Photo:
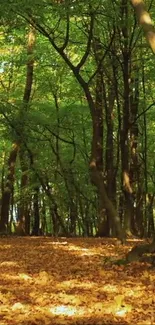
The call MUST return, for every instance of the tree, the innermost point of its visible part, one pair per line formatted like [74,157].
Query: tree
[145,21]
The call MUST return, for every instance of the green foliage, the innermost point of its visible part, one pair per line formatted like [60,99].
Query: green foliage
[56,125]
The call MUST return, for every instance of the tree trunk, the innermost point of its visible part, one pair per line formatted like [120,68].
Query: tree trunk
[151,226]
[97,179]
[135,168]
[103,218]
[145,21]
[55,222]
[110,169]
[23,224]
[36,212]
[124,134]
[43,215]
[8,188]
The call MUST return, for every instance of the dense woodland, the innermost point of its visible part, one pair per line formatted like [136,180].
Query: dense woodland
[77,119]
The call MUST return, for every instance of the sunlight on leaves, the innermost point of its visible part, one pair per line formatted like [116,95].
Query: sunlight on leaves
[24,277]
[110,288]
[64,310]
[5,246]
[121,312]
[8,263]
[18,306]
[58,243]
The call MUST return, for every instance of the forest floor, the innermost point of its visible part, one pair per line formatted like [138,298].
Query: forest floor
[46,281]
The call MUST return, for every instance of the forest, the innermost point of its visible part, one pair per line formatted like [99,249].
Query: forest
[77,128]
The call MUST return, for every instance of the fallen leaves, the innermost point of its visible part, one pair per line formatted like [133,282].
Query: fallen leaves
[64,281]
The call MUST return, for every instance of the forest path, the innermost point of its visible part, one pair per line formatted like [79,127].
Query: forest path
[51,281]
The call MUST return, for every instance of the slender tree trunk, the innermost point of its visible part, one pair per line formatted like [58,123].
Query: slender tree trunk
[73,217]
[145,155]
[43,216]
[103,218]
[110,169]
[135,171]
[55,222]
[23,224]
[124,134]
[151,224]
[36,212]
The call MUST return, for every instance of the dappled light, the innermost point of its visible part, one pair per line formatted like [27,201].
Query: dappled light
[64,310]
[45,281]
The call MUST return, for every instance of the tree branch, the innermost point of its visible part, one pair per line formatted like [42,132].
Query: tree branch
[102,59]
[67,34]
[87,51]
[142,113]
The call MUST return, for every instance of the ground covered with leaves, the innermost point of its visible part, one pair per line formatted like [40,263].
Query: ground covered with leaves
[46,281]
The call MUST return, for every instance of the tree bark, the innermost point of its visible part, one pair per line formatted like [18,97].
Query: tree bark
[36,212]
[8,188]
[125,121]
[145,21]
